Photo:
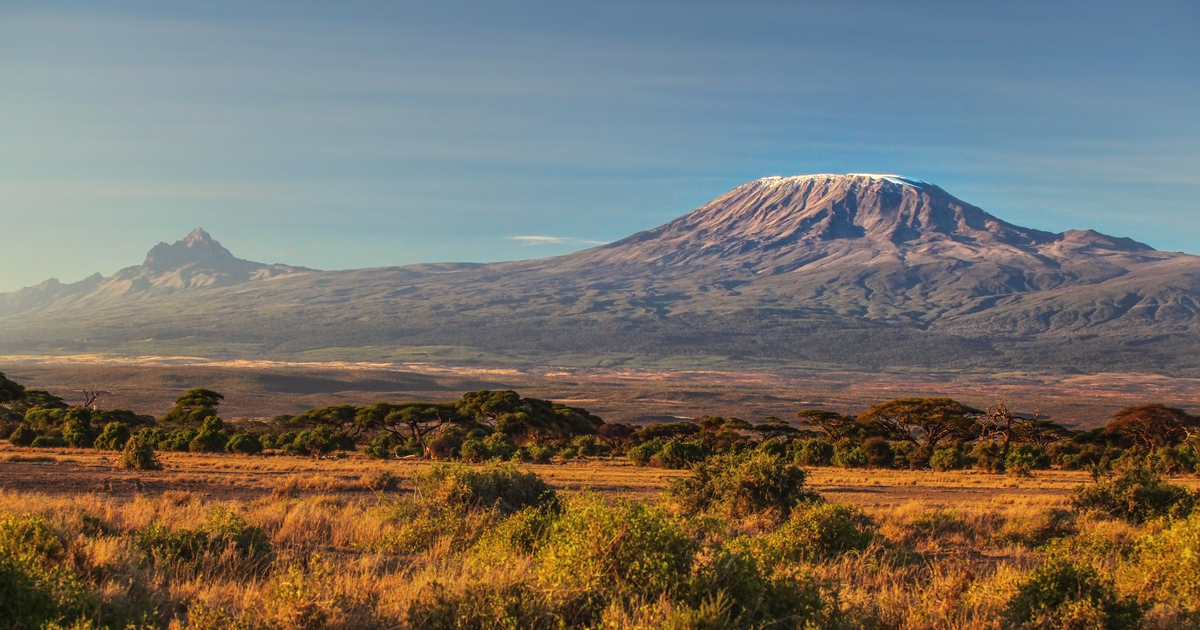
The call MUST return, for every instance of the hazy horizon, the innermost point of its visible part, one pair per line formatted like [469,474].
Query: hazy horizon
[337,137]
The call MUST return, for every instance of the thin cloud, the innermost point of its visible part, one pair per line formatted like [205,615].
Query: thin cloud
[534,239]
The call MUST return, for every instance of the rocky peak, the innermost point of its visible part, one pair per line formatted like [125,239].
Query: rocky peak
[197,246]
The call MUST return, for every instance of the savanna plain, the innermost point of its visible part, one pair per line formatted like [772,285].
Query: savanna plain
[498,510]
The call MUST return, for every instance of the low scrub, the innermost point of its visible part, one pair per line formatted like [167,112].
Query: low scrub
[737,485]
[1137,494]
[1063,594]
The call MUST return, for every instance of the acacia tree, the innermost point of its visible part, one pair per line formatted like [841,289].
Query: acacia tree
[924,421]
[10,391]
[412,420]
[1153,426]
[775,428]
[341,420]
[193,407]
[834,425]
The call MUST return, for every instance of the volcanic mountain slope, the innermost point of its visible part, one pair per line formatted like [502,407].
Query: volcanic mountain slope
[831,270]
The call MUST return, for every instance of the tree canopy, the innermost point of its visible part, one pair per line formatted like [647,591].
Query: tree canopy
[193,407]
[1153,426]
[10,390]
[921,420]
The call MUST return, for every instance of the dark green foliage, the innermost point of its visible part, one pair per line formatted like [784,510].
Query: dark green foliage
[1063,594]
[46,441]
[500,446]
[495,486]
[642,453]
[851,457]
[113,437]
[474,451]
[221,530]
[674,454]
[732,591]
[1023,458]
[243,444]
[815,531]
[318,440]
[22,436]
[138,454]
[380,447]
[178,440]
[879,452]
[129,418]
[1137,494]
[193,407]
[34,586]
[923,420]
[78,431]
[814,453]
[944,459]
[989,456]
[739,485]
[211,438]
[10,391]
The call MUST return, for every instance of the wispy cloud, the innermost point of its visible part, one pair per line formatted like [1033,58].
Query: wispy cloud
[534,239]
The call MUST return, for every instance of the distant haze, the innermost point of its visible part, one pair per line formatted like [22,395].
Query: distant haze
[338,135]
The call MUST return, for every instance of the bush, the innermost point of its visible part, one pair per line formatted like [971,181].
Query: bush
[22,436]
[496,486]
[1137,495]
[853,457]
[1063,594]
[47,441]
[500,445]
[33,591]
[243,444]
[138,455]
[475,451]
[1024,458]
[597,552]
[739,485]
[988,456]
[1170,564]
[879,452]
[677,454]
[814,453]
[642,453]
[1037,530]
[536,453]
[113,437]
[222,530]
[816,530]
[78,433]
[211,438]
[944,459]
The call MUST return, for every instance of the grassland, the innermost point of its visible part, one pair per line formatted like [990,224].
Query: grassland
[357,543]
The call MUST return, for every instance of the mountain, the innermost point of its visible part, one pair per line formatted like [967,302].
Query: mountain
[197,261]
[860,271]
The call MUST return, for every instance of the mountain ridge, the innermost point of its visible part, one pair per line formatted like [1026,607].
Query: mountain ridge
[861,270]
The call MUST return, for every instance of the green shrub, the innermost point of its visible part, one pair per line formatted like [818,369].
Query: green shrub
[738,485]
[642,453]
[48,441]
[22,436]
[500,486]
[222,530]
[211,438]
[1137,495]
[730,590]
[678,454]
[988,456]
[944,459]
[853,457]
[597,552]
[815,530]
[536,453]
[113,437]
[1169,564]
[77,431]
[1023,458]
[814,453]
[138,455]
[475,451]
[178,440]
[1063,594]
[34,589]
[879,452]
[481,606]
[243,444]
[500,445]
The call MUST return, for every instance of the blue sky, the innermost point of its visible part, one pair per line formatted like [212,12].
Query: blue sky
[355,134]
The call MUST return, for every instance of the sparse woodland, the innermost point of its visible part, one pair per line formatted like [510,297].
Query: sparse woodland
[739,540]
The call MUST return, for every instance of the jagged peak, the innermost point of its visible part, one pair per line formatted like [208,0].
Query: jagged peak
[781,180]
[197,246]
